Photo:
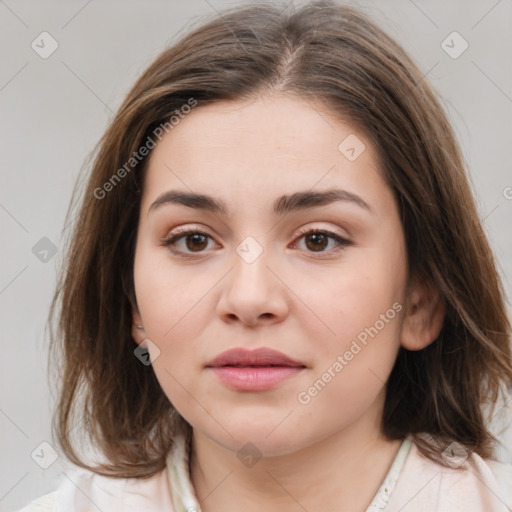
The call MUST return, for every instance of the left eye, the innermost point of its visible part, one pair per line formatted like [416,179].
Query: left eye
[316,240]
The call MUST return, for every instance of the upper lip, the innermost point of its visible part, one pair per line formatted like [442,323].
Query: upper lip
[257,357]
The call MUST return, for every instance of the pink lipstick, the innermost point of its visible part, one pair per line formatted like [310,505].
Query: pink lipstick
[254,370]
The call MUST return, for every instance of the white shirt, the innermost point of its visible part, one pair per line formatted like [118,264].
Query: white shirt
[413,484]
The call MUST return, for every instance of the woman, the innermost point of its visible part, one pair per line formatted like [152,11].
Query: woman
[278,292]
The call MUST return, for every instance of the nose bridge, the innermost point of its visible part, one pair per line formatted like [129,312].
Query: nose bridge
[249,250]
[250,272]
[252,290]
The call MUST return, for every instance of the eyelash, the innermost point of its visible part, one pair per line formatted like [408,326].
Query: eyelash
[183,233]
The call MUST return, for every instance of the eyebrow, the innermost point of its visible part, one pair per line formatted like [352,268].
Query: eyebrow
[282,205]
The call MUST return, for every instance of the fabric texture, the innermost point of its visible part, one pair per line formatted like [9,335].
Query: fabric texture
[413,484]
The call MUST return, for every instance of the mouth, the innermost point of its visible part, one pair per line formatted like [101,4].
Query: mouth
[241,357]
[254,370]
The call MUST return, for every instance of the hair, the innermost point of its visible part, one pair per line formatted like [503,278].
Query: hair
[338,58]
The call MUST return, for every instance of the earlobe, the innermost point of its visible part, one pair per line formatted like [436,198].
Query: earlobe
[138,333]
[424,317]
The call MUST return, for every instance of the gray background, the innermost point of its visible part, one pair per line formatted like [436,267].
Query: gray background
[54,110]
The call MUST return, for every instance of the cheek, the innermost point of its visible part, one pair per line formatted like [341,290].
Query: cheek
[175,309]
[361,304]
[171,302]
[352,367]
[357,300]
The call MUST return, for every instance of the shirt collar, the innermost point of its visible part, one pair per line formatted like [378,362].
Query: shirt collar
[184,498]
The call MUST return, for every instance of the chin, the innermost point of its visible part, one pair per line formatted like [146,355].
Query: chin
[268,440]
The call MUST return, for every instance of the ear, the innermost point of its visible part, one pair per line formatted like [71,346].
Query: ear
[423,318]
[139,335]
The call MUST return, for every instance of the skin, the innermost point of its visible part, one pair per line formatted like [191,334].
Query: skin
[304,302]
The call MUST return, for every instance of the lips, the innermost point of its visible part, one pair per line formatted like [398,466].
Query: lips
[240,357]
[254,370]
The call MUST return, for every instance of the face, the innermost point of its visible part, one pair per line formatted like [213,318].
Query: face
[256,274]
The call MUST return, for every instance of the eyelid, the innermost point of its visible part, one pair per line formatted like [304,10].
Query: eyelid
[181,232]
[301,231]
[342,240]
[327,229]
[334,234]
[185,229]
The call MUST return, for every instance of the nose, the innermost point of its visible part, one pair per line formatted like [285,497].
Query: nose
[254,293]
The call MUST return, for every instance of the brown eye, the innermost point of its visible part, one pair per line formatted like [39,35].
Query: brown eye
[317,240]
[195,241]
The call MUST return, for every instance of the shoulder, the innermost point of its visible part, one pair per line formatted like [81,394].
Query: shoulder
[503,474]
[46,503]
[80,489]
[468,483]
[491,477]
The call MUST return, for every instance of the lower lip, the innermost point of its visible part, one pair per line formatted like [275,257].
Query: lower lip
[255,378]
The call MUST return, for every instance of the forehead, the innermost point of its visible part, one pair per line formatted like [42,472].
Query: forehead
[267,147]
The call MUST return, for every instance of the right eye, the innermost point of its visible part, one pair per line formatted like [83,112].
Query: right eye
[194,241]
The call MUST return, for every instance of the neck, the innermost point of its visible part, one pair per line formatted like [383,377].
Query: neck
[340,472]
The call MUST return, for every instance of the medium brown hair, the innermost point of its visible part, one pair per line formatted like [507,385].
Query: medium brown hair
[336,57]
